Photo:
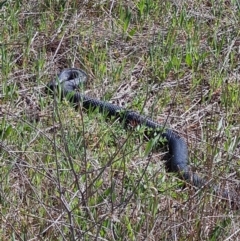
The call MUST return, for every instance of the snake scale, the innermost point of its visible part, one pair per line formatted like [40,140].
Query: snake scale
[69,81]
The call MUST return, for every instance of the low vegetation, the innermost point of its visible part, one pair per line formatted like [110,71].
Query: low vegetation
[70,174]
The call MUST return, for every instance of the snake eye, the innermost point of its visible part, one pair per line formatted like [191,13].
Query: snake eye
[73,74]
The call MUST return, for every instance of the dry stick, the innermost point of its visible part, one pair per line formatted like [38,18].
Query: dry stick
[227,56]
[58,173]
[75,176]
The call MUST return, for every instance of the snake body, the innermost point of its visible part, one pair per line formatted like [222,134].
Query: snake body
[70,79]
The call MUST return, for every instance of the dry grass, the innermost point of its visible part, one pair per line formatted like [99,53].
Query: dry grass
[72,175]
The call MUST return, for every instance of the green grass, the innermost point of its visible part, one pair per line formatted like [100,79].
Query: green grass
[75,175]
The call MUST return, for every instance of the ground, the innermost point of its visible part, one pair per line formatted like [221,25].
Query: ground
[70,174]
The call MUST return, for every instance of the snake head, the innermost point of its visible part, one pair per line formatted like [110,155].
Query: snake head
[68,80]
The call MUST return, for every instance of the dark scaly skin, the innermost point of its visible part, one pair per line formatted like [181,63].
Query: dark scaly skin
[70,79]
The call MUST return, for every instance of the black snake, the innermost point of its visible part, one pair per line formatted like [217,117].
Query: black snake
[70,79]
